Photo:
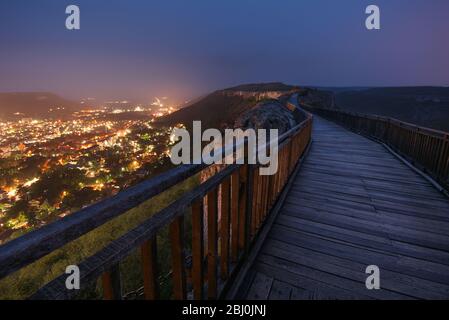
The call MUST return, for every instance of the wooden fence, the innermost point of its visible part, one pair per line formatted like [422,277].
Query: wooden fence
[221,234]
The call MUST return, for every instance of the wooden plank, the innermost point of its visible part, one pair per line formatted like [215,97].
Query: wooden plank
[426,192]
[224,228]
[234,216]
[372,173]
[197,249]
[280,291]
[389,190]
[149,269]
[112,287]
[260,287]
[394,281]
[309,284]
[178,259]
[393,262]
[263,214]
[379,241]
[212,244]
[363,192]
[327,200]
[431,240]
[315,200]
[256,203]
[249,205]
[371,181]
[431,224]
[347,172]
[303,294]
[338,280]
[243,194]
[245,286]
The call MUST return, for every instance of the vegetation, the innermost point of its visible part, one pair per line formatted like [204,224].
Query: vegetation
[424,106]
[27,280]
[214,111]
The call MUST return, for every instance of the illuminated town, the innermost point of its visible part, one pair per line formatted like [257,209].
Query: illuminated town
[51,167]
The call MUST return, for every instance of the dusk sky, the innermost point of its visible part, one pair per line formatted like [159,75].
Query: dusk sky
[140,49]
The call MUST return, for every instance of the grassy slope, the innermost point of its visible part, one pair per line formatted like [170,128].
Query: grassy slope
[214,110]
[23,283]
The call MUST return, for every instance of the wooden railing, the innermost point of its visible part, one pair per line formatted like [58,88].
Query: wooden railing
[225,214]
[425,148]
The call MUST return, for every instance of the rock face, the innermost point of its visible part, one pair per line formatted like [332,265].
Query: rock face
[260,91]
[255,94]
[317,98]
[267,115]
[270,114]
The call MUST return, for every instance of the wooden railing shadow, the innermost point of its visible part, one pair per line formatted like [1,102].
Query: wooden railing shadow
[222,232]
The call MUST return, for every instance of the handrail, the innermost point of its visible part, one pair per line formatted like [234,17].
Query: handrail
[28,248]
[426,148]
[233,184]
[435,132]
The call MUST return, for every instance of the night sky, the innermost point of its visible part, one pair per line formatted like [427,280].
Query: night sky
[139,49]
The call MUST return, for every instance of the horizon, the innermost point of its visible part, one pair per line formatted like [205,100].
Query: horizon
[143,50]
[132,100]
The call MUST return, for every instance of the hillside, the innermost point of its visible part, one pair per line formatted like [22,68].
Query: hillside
[425,106]
[215,110]
[34,104]
[221,108]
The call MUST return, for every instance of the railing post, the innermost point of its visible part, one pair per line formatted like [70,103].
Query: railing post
[197,249]
[224,228]
[235,216]
[290,164]
[212,199]
[243,176]
[249,204]
[149,268]
[178,259]
[256,199]
[112,287]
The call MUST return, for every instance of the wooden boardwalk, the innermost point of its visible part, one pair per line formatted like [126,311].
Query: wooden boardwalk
[354,204]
